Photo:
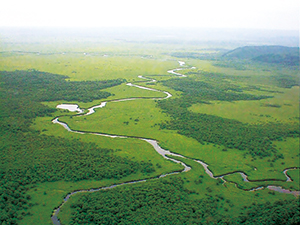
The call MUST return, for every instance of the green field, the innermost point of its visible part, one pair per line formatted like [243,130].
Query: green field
[257,111]
[147,116]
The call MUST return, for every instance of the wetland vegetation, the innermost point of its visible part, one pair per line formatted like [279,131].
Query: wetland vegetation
[236,115]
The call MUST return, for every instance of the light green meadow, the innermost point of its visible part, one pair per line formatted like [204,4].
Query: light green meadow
[85,67]
[256,111]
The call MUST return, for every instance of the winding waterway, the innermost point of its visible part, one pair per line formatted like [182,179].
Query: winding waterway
[158,149]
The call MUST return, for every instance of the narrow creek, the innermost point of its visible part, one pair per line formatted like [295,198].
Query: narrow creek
[158,149]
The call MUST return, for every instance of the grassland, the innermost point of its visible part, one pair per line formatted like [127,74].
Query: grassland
[142,123]
[89,67]
[141,118]
[229,191]
[283,108]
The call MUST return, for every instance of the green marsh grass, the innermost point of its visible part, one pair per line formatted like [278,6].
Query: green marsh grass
[132,148]
[201,185]
[81,67]
[141,118]
[257,111]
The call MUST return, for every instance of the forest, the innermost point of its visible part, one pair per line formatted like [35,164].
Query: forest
[28,158]
[41,86]
[255,140]
[168,202]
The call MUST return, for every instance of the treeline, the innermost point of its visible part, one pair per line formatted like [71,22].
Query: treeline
[196,55]
[28,158]
[286,60]
[166,201]
[41,86]
[160,202]
[286,81]
[236,64]
[280,212]
[207,91]
[253,139]
[219,80]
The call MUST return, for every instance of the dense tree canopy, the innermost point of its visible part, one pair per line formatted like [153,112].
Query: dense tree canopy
[253,139]
[157,202]
[280,212]
[205,91]
[41,86]
[167,202]
[28,158]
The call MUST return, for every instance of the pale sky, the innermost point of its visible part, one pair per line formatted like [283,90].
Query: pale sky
[261,14]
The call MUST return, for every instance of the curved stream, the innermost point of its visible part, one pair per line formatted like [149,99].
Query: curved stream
[158,149]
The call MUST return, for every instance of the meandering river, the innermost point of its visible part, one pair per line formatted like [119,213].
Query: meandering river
[158,149]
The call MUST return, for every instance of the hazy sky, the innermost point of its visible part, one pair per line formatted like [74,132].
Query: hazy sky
[262,14]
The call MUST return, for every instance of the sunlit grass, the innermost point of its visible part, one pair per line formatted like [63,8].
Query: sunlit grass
[259,111]
[85,67]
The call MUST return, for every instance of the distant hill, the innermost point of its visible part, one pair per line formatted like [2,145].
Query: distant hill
[268,54]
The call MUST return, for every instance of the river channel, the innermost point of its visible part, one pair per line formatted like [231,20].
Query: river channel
[155,145]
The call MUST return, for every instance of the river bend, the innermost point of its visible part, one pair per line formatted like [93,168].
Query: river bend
[155,145]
